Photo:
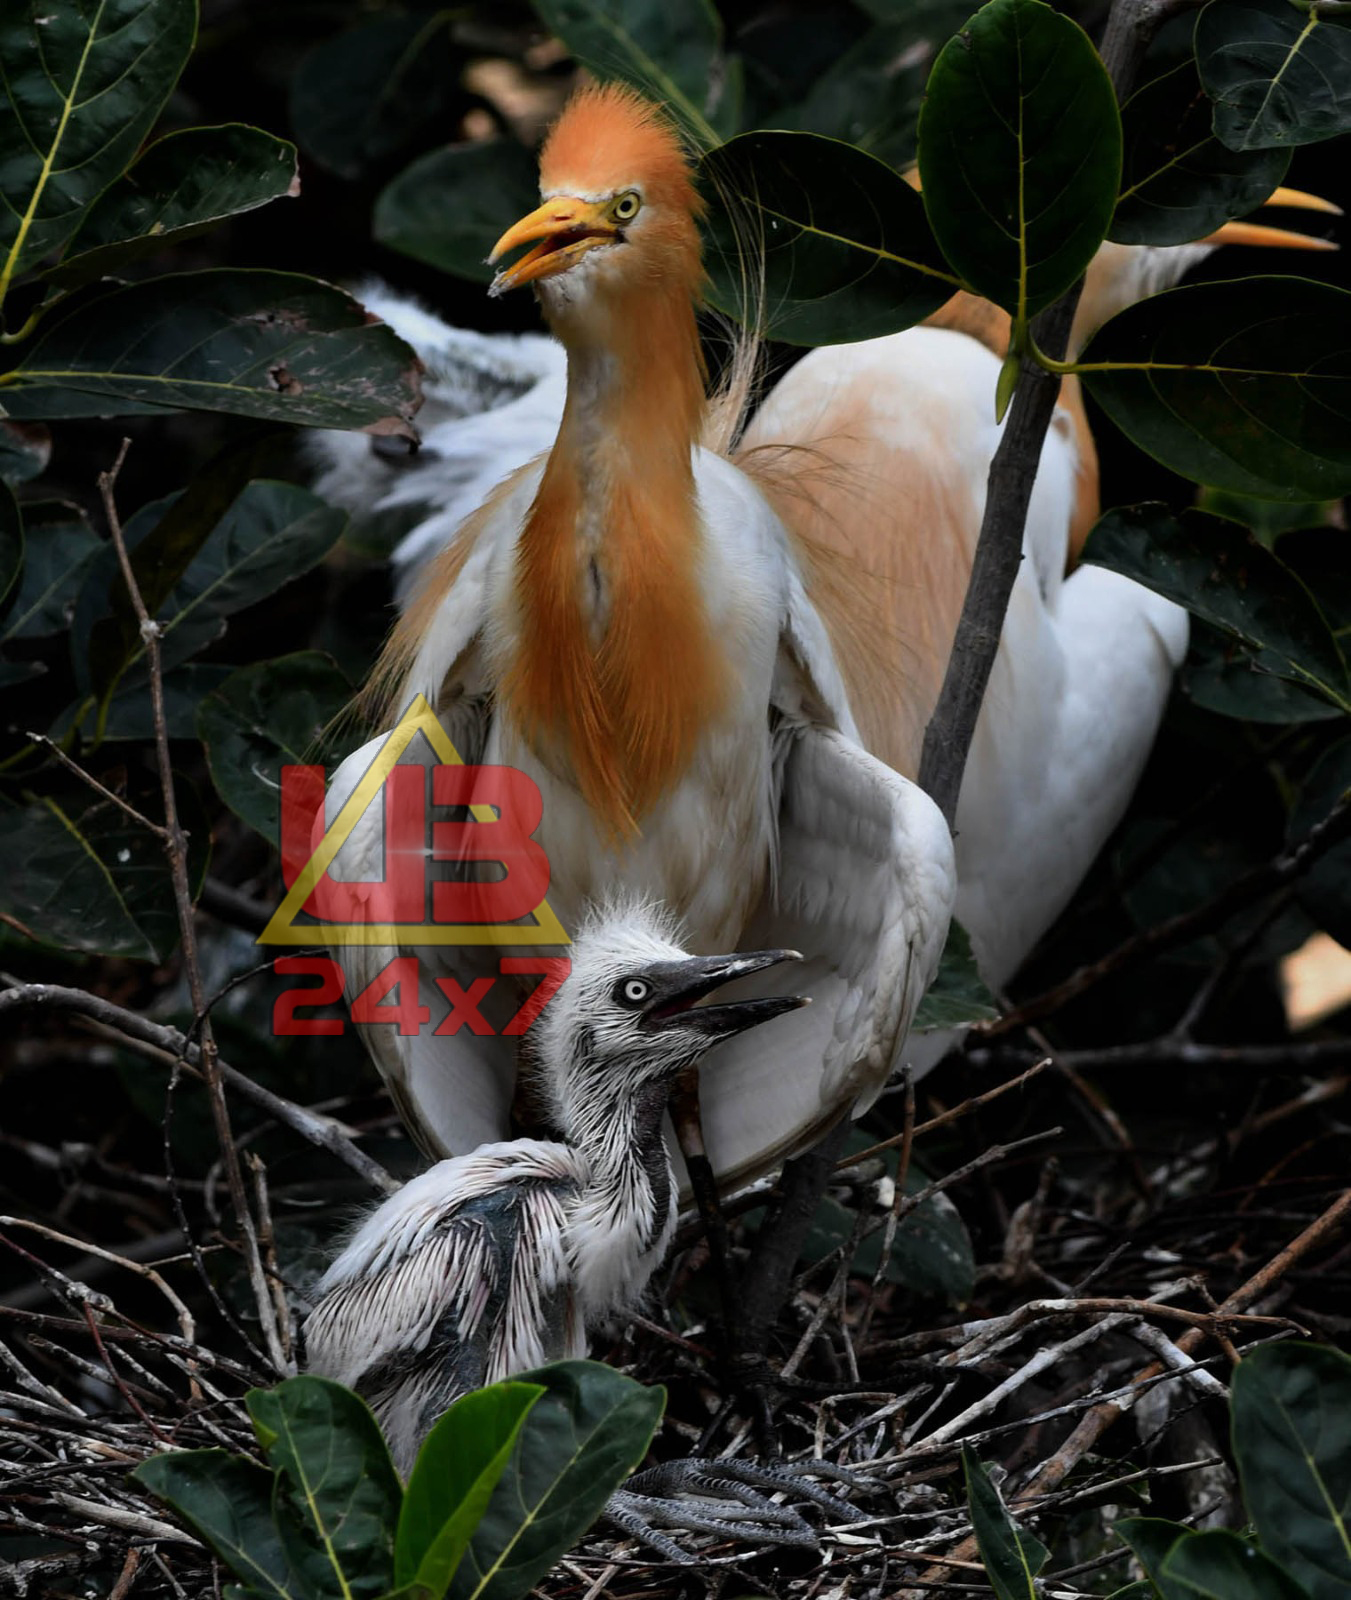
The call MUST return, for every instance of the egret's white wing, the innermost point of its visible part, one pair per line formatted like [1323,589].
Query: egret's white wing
[864,890]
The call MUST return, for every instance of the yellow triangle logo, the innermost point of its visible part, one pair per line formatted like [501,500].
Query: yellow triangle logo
[283,927]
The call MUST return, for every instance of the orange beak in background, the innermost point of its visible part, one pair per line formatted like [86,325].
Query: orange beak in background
[1257,233]
[565,228]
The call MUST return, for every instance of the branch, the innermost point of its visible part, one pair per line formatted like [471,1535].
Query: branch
[325,1132]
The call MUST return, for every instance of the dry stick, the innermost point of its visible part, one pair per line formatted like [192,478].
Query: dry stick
[1095,1423]
[943,1117]
[176,850]
[162,1040]
[893,1211]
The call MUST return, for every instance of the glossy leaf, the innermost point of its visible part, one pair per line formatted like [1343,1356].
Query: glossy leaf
[180,186]
[1012,1557]
[1221,675]
[362,96]
[1178,181]
[59,546]
[847,252]
[92,878]
[1019,208]
[958,994]
[452,206]
[1221,1566]
[582,1438]
[1221,573]
[1292,1436]
[84,85]
[163,540]
[870,96]
[227,1502]
[262,718]
[1151,1539]
[1279,74]
[25,450]
[272,345]
[11,548]
[338,1484]
[668,52]
[456,1471]
[1246,385]
[271,534]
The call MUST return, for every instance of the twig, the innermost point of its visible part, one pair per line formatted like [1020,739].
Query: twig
[325,1132]
[88,778]
[944,1117]
[1184,927]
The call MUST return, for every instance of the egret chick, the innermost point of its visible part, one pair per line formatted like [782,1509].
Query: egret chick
[495,1262]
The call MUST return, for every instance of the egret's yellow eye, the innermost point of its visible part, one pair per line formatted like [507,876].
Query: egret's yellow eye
[627,206]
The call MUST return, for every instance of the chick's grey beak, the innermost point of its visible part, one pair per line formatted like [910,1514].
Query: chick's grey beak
[678,985]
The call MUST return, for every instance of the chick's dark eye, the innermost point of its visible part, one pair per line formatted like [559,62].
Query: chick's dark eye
[626,207]
[633,991]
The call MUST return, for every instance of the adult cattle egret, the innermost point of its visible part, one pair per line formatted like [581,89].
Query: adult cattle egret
[496,1262]
[625,622]
[701,686]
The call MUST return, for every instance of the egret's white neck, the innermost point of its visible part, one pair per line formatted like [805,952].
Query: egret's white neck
[621,1224]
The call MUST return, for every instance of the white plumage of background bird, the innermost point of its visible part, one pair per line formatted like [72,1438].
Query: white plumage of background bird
[493,1263]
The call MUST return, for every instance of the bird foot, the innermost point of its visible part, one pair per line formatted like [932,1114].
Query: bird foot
[727,1499]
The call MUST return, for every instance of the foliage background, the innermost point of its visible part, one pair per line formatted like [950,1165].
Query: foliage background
[1208,1166]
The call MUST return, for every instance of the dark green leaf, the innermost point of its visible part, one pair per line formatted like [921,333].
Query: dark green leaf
[1143,1590]
[582,1438]
[341,1484]
[364,95]
[847,252]
[179,187]
[92,880]
[871,95]
[130,712]
[25,450]
[264,717]
[1011,1557]
[272,345]
[669,53]
[1321,559]
[1221,573]
[163,540]
[958,994]
[59,544]
[1018,208]
[271,534]
[1151,1538]
[452,206]
[84,86]
[454,1476]
[1178,182]
[1324,888]
[1278,73]
[1268,519]
[1292,1437]
[1246,385]
[1221,675]
[1221,1566]
[227,1502]
[11,548]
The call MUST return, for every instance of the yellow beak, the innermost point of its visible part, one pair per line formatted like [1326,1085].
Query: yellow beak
[565,228]
[1257,233]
